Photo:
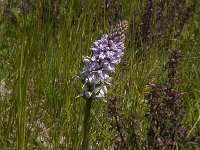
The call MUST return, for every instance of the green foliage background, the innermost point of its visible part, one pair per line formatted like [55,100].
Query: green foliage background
[41,50]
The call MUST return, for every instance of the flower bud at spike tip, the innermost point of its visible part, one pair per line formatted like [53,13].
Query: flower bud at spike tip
[106,54]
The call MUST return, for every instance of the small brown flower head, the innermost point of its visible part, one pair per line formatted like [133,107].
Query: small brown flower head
[118,33]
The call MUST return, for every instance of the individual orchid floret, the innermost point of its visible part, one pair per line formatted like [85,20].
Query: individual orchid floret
[106,54]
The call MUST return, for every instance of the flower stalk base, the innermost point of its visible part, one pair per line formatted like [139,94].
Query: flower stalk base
[87,123]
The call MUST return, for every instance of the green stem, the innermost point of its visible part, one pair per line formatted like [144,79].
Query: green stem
[88,106]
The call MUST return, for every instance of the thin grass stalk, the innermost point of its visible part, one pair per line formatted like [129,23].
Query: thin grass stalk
[26,59]
[20,110]
[87,124]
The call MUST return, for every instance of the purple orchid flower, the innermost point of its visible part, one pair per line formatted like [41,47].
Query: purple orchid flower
[106,54]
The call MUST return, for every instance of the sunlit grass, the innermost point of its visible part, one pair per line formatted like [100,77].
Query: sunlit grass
[40,59]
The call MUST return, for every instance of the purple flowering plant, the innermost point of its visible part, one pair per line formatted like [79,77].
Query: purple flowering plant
[106,54]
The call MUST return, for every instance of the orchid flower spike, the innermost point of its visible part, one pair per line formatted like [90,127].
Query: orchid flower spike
[106,54]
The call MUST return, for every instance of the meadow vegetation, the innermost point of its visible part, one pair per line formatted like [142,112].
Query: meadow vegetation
[153,102]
